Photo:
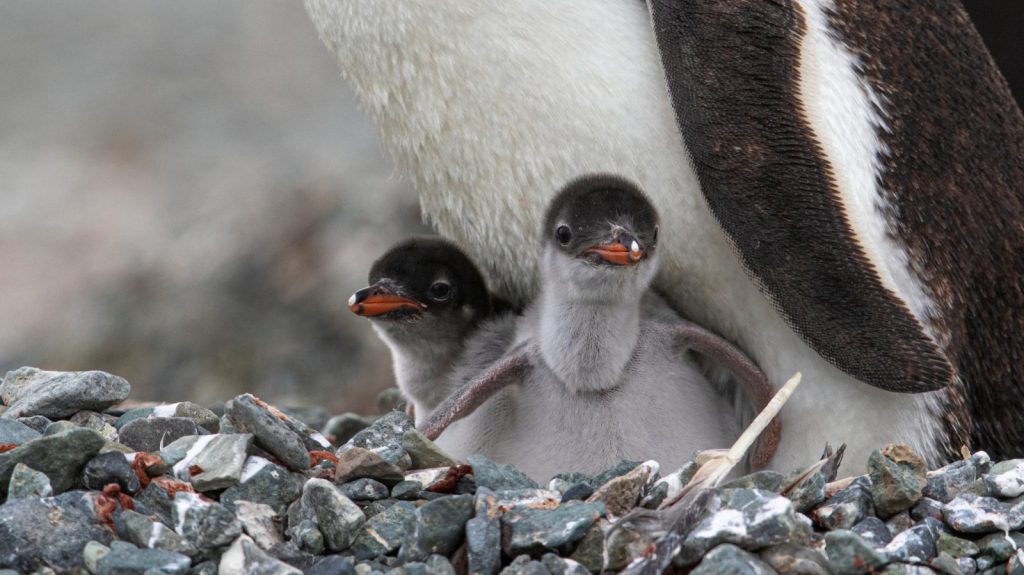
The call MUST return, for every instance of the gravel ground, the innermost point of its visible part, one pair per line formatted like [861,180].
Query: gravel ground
[92,483]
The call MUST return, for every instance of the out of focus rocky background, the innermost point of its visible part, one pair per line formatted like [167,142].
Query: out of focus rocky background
[188,195]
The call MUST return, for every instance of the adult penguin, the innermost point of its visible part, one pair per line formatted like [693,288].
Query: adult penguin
[847,202]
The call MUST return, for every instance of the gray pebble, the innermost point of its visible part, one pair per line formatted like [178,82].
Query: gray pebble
[127,559]
[897,478]
[152,433]
[51,531]
[538,531]
[249,415]
[364,489]
[850,554]
[57,394]
[338,518]
[340,428]
[27,482]
[61,456]
[244,557]
[386,531]
[264,482]
[727,558]
[15,432]
[499,476]
[440,524]
[108,468]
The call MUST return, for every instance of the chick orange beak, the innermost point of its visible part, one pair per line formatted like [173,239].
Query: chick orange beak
[371,301]
[618,254]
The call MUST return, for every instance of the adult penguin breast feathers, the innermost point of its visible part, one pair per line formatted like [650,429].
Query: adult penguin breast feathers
[847,203]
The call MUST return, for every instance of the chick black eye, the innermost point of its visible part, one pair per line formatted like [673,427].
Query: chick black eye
[563,234]
[440,291]
[654,238]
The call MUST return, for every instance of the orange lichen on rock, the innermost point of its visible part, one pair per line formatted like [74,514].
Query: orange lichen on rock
[315,457]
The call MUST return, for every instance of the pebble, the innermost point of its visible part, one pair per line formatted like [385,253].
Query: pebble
[51,531]
[726,558]
[499,476]
[203,417]
[357,462]
[145,532]
[424,453]
[91,555]
[244,557]
[260,522]
[107,468]
[749,518]
[947,482]
[897,478]
[765,480]
[1006,478]
[127,559]
[215,461]
[578,492]
[851,554]
[440,524]
[621,494]
[847,507]
[999,546]
[152,433]
[27,482]
[15,432]
[365,489]
[272,433]
[332,565]
[37,423]
[787,559]
[384,438]
[927,507]
[915,545]
[56,394]
[955,546]
[204,525]
[537,531]
[338,518]
[969,513]
[60,456]
[483,545]
[340,428]
[391,399]
[386,531]
[264,482]
[874,530]
[406,490]
[808,492]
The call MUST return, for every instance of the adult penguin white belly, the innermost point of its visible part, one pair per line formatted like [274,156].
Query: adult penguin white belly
[855,179]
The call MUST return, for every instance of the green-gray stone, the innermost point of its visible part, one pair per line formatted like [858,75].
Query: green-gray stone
[16,432]
[385,532]
[132,415]
[483,545]
[897,478]
[955,546]
[338,517]
[998,546]
[61,456]
[787,558]
[144,532]
[590,550]
[766,480]
[440,524]
[57,394]
[357,462]
[27,482]
[91,555]
[407,490]
[424,453]
[340,428]
[727,558]
[272,485]
[499,476]
[538,531]
[850,554]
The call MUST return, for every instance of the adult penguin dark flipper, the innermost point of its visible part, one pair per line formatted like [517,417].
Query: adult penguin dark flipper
[867,161]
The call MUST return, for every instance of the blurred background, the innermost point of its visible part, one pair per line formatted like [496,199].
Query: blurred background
[188,195]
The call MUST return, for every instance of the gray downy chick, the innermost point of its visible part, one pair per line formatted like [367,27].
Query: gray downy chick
[425,299]
[601,368]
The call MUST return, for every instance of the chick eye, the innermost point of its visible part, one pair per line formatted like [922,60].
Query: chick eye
[440,291]
[563,234]
[654,239]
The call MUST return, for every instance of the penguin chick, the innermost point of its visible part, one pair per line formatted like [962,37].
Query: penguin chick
[424,300]
[601,369]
